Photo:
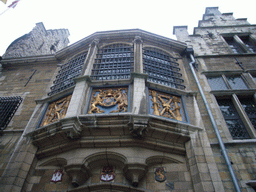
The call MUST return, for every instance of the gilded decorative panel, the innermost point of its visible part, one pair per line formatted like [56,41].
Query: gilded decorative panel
[109,100]
[166,105]
[56,110]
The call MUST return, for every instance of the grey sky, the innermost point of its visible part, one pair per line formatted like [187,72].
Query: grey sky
[84,17]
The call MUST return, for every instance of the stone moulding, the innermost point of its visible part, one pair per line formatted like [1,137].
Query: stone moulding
[86,131]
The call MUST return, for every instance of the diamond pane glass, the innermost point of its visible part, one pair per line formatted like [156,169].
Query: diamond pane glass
[233,121]
[217,83]
[236,82]
[162,68]
[113,62]
[250,108]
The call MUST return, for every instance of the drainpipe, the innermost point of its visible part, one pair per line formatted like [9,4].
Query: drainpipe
[222,146]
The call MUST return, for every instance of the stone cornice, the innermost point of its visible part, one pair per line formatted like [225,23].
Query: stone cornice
[122,35]
[87,130]
[33,60]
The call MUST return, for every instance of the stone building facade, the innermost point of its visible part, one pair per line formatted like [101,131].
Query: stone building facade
[129,110]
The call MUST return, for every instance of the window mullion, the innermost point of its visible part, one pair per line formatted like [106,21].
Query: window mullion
[245,119]
[241,44]
[226,82]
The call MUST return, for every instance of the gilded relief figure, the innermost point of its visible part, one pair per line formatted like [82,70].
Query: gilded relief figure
[107,98]
[56,110]
[166,105]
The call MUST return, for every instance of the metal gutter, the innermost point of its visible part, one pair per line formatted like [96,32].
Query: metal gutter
[222,146]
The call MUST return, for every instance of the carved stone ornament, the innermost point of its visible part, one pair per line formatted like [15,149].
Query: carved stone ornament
[56,110]
[107,174]
[57,176]
[160,174]
[166,105]
[109,100]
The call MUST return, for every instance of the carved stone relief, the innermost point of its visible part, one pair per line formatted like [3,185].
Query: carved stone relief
[56,110]
[109,100]
[166,105]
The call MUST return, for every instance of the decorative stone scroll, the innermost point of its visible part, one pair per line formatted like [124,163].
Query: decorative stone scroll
[109,100]
[166,105]
[56,110]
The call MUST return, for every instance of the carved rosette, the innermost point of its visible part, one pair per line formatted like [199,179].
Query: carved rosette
[166,105]
[109,100]
[56,110]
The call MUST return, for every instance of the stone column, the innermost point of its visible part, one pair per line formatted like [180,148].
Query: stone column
[140,103]
[82,83]
[138,60]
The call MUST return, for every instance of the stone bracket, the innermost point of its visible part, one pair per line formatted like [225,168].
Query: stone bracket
[138,126]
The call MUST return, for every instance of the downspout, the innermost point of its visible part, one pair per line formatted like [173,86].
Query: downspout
[222,146]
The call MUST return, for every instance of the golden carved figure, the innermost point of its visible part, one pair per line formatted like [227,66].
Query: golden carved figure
[56,110]
[166,105]
[107,98]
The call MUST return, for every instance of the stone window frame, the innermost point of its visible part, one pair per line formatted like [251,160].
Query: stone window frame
[239,41]
[234,96]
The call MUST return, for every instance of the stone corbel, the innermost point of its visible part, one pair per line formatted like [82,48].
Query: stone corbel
[78,173]
[139,126]
[72,127]
[135,172]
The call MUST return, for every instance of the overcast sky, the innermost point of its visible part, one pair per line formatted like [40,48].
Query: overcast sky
[84,17]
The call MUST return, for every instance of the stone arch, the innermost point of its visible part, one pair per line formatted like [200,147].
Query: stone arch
[104,159]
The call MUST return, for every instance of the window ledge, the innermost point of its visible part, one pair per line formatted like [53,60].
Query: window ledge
[244,141]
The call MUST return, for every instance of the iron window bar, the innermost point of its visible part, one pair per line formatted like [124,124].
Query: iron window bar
[162,68]
[68,71]
[113,62]
[8,107]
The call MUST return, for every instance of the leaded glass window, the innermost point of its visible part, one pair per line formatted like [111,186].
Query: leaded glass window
[233,121]
[113,62]
[248,43]
[232,82]
[68,71]
[162,68]
[234,45]
[217,83]
[8,107]
[250,108]
[236,82]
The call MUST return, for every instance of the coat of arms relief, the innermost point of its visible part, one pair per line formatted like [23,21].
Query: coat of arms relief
[166,105]
[109,100]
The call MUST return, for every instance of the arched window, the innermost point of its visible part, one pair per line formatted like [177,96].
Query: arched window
[113,62]
[162,68]
[67,73]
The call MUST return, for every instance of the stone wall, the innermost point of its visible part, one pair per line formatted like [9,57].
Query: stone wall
[38,42]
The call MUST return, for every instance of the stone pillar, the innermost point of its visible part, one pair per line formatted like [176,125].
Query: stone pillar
[181,32]
[17,169]
[82,82]
[204,171]
[88,64]
[140,103]
[138,59]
